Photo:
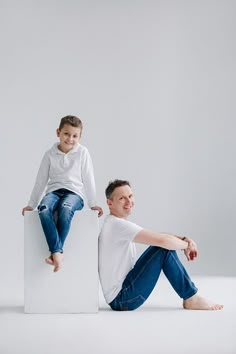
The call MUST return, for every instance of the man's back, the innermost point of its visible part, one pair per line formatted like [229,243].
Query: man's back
[117,253]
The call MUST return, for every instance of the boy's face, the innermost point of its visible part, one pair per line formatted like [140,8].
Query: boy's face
[121,202]
[69,137]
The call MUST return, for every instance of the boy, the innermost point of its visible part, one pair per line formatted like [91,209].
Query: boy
[66,171]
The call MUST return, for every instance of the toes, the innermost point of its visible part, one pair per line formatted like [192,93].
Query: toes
[217,307]
[57,268]
[220,307]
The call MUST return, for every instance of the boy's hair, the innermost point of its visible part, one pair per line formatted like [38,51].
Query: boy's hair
[112,185]
[72,120]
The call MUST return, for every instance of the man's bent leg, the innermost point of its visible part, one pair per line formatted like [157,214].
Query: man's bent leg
[178,276]
[141,280]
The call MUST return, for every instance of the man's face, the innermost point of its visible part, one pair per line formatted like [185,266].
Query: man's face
[121,202]
[69,137]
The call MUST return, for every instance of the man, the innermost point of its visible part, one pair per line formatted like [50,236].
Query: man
[127,283]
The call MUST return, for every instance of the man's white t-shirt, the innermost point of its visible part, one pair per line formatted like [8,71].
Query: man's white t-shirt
[117,254]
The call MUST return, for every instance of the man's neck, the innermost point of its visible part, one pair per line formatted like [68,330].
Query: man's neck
[118,216]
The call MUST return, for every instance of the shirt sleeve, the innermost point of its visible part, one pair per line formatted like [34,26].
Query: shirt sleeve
[88,179]
[127,230]
[40,183]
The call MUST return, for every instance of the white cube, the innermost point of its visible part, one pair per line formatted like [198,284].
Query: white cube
[74,288]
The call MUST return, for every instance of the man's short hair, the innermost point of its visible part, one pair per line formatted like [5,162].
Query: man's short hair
[71,120]
[112,185]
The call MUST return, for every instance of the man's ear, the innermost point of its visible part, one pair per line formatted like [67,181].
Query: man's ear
[109,202]
[58,132]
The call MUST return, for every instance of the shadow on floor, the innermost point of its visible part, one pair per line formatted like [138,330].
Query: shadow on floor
[145,309]
[11,309]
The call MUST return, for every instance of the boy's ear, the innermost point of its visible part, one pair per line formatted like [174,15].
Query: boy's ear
[58,132]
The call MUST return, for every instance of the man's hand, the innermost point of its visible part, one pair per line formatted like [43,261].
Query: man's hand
[191,252]
[27,208]
[99,209]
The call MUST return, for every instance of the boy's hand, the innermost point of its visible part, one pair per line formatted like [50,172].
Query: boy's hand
[27,208]
[99,209]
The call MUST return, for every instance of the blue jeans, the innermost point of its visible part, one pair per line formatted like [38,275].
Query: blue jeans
[141,280]
[56,227]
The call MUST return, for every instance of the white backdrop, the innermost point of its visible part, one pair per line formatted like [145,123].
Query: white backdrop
[154,83]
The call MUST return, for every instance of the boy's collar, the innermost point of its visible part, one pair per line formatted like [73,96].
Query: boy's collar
[58,151]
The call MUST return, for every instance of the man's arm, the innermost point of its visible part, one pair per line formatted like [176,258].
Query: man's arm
[168,241]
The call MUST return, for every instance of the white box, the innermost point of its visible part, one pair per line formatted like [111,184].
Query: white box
[74,288]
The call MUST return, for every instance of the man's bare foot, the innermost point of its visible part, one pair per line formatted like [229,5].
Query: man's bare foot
[49,260]
[57,261]
[197,302]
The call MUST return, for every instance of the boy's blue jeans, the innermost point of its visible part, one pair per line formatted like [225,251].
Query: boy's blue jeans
[64,203]
[141,280]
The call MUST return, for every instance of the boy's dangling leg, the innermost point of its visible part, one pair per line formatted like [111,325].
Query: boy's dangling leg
[46,211]
[65,212]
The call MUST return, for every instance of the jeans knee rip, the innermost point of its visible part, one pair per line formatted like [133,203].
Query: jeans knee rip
[67,205]
[42,208]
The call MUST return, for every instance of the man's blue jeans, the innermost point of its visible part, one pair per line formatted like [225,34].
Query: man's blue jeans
[64,203]
[141,280]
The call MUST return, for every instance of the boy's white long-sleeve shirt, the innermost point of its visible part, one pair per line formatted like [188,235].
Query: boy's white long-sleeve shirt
[72,171]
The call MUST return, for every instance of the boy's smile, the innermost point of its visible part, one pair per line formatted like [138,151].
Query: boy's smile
[69,137]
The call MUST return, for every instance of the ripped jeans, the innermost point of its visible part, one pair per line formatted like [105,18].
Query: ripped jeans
[141,280]
[56,227]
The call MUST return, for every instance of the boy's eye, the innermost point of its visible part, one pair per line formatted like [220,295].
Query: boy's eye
[75,136]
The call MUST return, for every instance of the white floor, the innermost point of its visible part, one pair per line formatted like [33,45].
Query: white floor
[160,326]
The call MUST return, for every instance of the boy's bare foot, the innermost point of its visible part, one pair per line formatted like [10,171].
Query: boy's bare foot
[49,260]
[57,261]
[197,302]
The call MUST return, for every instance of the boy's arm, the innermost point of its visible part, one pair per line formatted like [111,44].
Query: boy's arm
[27,208]
[89,183]
[88,179]
[40,183]
[99,209]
